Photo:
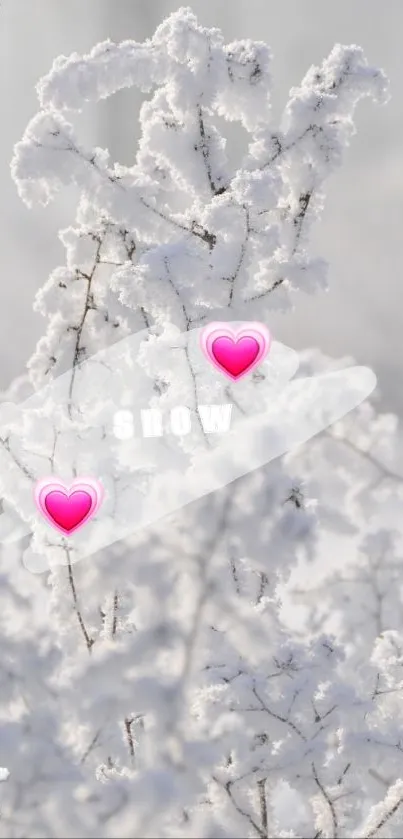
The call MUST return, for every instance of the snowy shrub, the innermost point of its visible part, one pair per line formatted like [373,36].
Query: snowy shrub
[160,688]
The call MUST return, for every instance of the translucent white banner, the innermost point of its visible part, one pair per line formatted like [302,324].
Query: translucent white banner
[159,427]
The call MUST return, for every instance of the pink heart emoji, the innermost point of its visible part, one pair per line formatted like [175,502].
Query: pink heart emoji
[68,508]
[235,349]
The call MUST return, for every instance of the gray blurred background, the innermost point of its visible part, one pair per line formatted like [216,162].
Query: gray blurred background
[360,232]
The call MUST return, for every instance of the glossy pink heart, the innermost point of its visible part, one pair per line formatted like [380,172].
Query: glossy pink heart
[235,349]
[68,508]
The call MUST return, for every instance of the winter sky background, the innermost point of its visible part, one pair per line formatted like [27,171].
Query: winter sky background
[360,234]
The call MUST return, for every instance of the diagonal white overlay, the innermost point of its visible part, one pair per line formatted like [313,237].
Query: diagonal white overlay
[68,429]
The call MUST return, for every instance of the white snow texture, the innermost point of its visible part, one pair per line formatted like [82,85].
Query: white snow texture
[237,668]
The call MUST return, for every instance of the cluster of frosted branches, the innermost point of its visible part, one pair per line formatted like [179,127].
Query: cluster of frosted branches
[178,700]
